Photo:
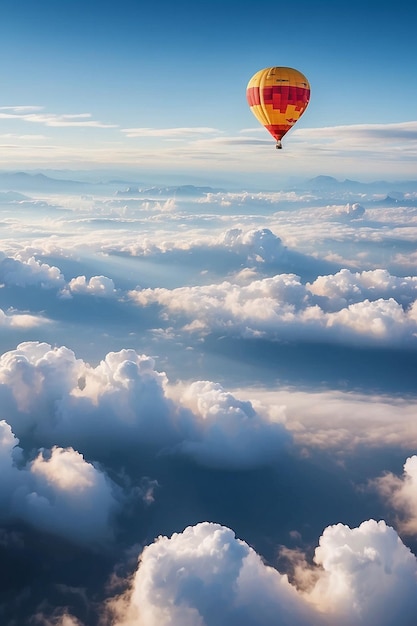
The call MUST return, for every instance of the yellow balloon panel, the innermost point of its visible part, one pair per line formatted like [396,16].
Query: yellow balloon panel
[278,96]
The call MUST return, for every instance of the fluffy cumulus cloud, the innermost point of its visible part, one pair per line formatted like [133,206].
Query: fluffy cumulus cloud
[10,454]
[401,494]
[281,306]
[346,287]
[124,402]
[262,302]
[58,491]
[229,432]
[352,210]
[23,273]
[368,576]
[205,576]
[100,286]
[256,244]
[33,377]
[61,399]
[99,457]
[259,199]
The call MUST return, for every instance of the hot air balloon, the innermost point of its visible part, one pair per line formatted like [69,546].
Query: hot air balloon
[278,96]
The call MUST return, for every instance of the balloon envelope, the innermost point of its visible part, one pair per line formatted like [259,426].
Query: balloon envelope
[278,96]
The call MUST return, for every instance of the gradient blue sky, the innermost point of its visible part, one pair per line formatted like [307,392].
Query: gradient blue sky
[162,86]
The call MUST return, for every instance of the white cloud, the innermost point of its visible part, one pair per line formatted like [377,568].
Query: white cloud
[229,432]
[26,272]
[381,319]
[22,108]
[169,133]
[58,492]
[401,494]
[9,455]
[65,470]
[369,576]
[32,114]
[18,320]
[364,132]
[339,421]
[100,286]
[348,287]
[205,576]
[71,497]
[61,620]
[123,403]
[34,372]
[256,244]
[352,210]
[361,148]
[281,306]
[20,137]
[256,199]
[72,416]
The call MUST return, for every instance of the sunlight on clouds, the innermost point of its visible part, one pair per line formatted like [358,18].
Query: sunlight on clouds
[281,305]
[23,272]
[66,469]
[205,575]
[354,286]
[231,434]
[9,454]
[124,403]
[100,286]
[16,319]
[65,620]
[337,420]
[369,576]
[401,494]
[60,493]
[156,398]
[34,371]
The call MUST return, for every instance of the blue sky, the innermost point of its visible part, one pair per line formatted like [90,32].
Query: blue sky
[138,85]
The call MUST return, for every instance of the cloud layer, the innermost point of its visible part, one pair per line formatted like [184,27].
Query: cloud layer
[343,308]
[203,395]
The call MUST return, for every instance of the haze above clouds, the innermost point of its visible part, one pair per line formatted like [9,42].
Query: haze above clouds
[125,86]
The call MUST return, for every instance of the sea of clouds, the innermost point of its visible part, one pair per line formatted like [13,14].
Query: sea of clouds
[208,408]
